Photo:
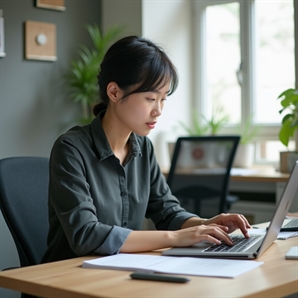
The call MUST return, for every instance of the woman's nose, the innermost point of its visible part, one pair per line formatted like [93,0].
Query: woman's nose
[157,110]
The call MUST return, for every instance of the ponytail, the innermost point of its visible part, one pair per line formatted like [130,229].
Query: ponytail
[99,107]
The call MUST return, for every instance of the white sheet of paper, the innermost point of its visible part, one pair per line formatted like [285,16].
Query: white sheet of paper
[242,171]
[286,235]
[174,265]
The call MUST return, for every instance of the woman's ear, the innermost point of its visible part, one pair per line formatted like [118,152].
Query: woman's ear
[114,92]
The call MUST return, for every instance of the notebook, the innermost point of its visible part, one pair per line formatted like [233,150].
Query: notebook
[256,244]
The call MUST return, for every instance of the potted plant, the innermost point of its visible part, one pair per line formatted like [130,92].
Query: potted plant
[217,121]
[196,128]
[81,80]
[289,127]
[244,157]
[207,126]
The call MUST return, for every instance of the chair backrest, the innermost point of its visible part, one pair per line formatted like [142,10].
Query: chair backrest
[200,170]
[23,202]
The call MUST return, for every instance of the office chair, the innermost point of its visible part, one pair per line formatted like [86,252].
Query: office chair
[199,175]
[24,205]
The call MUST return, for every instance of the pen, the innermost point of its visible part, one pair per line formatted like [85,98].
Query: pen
[159,277]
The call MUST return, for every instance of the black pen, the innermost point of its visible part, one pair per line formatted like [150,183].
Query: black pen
[158,277]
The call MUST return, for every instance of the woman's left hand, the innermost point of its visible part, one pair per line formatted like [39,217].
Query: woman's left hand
[231,221]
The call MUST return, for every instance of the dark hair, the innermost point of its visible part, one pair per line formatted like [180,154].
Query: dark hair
[134,60]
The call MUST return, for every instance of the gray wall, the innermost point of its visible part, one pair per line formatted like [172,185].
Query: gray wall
[34,109]
[126,13]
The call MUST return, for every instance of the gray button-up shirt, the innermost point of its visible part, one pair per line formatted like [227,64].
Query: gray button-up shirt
[95,202]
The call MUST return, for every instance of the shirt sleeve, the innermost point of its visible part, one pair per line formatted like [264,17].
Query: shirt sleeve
[163,208]
[75,214]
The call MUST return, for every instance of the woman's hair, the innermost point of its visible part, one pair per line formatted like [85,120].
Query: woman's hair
[134,61]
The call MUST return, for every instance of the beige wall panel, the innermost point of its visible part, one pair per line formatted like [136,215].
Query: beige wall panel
[40,41]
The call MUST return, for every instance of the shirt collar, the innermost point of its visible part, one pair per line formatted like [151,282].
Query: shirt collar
[101,142]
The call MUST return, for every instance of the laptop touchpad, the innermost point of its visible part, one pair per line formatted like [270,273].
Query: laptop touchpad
[203,244]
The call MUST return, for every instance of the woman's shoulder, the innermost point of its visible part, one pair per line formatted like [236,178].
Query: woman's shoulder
[76,134]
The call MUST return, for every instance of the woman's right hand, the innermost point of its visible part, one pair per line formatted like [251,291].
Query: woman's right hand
[212,233]
[138,241]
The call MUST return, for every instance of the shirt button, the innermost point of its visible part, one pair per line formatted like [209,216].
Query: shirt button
[123,193]
[125,224]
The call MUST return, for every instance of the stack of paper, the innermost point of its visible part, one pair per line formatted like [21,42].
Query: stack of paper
[286,235]
[174,265]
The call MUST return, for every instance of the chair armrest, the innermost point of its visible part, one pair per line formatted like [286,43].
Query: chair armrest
[10,268]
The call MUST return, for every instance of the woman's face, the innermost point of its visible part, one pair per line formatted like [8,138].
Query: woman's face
[139,112]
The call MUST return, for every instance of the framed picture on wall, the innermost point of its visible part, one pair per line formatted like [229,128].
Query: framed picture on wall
[2,52]
[40,41]
[51,4]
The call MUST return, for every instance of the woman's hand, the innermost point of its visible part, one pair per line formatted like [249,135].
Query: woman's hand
[193,230]
[212,233]
[217,227]
[138,241]
[231,221]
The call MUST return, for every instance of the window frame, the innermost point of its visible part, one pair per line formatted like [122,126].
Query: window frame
[248,57]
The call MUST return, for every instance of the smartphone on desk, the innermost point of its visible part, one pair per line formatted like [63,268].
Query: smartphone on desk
[292,253]
[159,277]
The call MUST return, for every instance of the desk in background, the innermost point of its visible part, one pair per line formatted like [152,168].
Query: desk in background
[277,277]
[259,189]
[259,174]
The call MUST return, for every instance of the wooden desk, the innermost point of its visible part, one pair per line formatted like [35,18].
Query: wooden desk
[259,189]
[261,174]
[277,277]
[255,174]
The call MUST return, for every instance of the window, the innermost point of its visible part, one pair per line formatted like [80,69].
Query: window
[223,58]
[244,53]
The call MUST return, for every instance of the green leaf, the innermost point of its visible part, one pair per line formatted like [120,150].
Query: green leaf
[248,131]
[287,93]
[196,128]
[81,79]
[289,124]
[217,121]
[284,133]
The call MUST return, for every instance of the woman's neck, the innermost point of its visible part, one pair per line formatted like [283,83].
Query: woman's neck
[117,136]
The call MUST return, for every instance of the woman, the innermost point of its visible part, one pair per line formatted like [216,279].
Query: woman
[104,178]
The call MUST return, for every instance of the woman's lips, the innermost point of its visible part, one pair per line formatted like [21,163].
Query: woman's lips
[151,125]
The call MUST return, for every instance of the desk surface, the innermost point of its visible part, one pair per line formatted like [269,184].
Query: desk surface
[261,174]
[255,174]
[277,277]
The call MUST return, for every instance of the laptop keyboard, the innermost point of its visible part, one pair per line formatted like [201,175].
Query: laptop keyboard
[293,223]
[240,244]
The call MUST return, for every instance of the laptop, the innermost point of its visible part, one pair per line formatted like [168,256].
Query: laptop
[252,247]
[290,225]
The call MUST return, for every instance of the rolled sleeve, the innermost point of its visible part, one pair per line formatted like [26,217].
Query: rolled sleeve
[114,241]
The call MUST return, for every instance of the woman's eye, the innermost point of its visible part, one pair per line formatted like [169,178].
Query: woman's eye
[150,99]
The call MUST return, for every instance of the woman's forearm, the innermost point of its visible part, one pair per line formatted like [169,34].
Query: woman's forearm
[138,241]
[192,222]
